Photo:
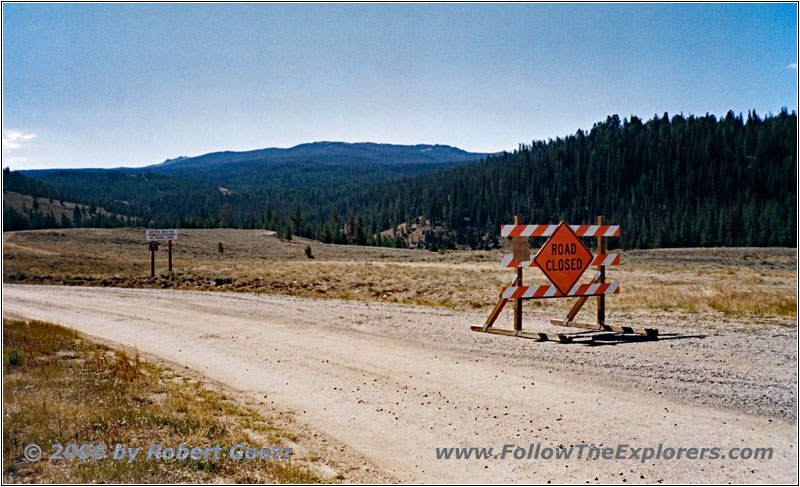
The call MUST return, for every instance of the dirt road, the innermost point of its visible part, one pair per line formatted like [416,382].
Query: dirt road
[396,382]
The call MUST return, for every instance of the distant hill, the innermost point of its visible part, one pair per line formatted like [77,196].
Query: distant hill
[332,153]
[24,202]
[30,204]
[201,190]
[318,164]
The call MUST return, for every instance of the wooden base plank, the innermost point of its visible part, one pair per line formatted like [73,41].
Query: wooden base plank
[615,329]
[525,334]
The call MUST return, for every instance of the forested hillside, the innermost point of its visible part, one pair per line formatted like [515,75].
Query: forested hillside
[680,181]
[30,204]
[685,181]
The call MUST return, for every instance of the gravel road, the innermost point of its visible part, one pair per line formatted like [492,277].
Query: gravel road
[395,382]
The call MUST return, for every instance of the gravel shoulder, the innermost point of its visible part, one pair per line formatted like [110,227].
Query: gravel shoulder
[394,382]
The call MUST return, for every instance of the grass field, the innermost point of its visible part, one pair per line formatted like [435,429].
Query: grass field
[60,388]
[738,282]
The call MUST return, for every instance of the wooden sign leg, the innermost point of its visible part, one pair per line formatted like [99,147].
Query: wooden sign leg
[601,300]
[579,304]
[170,256]
[498,308]
[495,313]
[152,264]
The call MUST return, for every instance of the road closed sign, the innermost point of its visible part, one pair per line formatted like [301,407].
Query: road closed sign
[161,235]
[563,258]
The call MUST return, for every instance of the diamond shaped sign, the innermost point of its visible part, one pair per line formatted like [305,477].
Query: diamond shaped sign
[563,258]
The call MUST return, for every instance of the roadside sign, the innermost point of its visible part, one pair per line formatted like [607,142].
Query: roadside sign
[563,258]
[155,236]
[161,235]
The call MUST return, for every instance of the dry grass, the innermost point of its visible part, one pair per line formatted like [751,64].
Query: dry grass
[61,388]
[735,282]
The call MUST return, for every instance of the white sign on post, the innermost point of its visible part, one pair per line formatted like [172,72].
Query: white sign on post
[161,235]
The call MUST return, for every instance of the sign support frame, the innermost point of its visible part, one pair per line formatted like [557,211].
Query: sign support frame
[153,237]
[597,281]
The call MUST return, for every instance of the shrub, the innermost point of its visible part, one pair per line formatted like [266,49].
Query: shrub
[14,357]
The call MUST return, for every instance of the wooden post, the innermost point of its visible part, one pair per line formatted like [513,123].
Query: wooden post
[170,255]
[152,263]
[518,302]
[498,308]
[579,303]
[601,300]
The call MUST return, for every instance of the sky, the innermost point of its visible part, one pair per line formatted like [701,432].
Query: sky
[109,85]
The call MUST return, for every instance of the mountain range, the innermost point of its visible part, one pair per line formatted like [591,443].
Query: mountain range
[334,153]
[317,164]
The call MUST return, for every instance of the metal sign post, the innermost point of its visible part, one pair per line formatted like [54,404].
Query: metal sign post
[153,249]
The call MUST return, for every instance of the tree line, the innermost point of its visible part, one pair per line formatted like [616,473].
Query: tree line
[668,182]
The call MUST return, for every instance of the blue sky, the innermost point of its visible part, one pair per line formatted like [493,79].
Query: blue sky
[107,85]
